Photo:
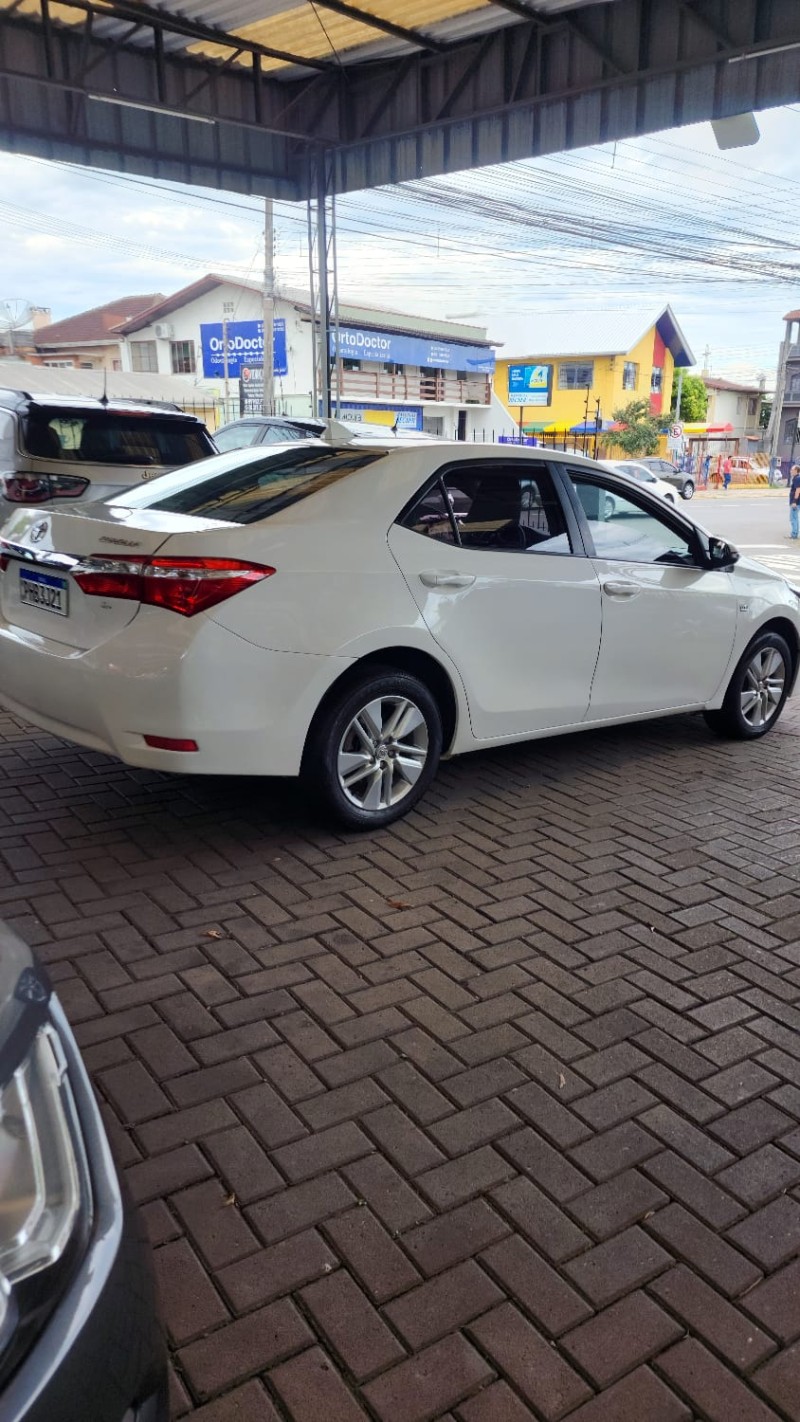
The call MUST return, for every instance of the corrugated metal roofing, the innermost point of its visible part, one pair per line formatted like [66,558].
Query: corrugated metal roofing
[118,384]
[594,333]
[312,31]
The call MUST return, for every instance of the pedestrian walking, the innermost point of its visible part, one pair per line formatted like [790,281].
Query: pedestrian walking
[706,470]
[794,502]
[726,471]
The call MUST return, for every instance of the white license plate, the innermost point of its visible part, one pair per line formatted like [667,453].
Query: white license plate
[43,590]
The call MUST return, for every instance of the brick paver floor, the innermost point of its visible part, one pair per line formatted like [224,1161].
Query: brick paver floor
[491,1116]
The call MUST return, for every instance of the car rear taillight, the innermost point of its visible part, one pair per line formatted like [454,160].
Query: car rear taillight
[42,488]
[182,585]
[4,554]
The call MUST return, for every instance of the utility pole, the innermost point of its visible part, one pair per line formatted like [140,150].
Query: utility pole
[268,396]
[680,393]
[706,354]
[227,310]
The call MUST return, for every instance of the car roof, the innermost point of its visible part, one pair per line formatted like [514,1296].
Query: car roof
[23,400]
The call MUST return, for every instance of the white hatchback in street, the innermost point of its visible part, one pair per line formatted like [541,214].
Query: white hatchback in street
[352,613]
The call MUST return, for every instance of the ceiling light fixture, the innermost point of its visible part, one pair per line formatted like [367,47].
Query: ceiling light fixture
[149,108]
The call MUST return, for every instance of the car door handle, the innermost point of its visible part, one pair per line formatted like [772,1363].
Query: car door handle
[620,589]
[447,580]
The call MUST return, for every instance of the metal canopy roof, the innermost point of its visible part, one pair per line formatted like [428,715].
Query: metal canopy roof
[249,94]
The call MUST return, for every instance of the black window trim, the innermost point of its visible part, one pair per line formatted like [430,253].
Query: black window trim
[651,503]
[562,490]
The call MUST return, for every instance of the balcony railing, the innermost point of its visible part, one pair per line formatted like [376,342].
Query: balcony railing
[422,385]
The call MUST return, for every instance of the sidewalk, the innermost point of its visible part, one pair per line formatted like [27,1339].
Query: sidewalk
[493,1116]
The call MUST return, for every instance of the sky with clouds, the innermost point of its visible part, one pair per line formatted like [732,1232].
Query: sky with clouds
[631,225]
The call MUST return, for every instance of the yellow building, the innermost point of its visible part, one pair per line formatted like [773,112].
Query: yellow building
[573,368]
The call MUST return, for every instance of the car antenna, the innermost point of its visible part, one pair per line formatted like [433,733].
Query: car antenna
[104,396]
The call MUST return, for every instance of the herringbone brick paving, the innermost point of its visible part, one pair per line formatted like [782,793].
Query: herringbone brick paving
[491,1116]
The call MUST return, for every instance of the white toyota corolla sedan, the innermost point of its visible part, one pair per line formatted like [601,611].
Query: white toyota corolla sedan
[353,613]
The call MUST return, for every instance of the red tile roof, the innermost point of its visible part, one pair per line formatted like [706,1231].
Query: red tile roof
[95,325]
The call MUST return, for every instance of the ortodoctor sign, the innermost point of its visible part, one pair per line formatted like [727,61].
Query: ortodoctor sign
[530,384]
[245,347]
[358,344]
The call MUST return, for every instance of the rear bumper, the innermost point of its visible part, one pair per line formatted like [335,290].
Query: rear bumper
[248,709]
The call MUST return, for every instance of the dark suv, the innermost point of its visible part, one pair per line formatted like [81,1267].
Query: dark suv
[679,480]
[79,1333]
[58,448]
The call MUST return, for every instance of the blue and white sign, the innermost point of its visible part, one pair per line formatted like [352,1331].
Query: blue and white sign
[407,417]
[358,344]
[245,347]
[530,384]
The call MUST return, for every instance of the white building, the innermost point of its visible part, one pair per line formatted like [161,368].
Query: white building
[737,405]
[432,375]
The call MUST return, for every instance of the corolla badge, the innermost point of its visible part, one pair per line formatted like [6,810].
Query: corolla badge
[38,531]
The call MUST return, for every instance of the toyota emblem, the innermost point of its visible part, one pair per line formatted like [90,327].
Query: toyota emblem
[38,533]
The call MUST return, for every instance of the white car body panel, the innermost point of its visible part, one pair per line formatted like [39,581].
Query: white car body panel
[519,610]
[531,647]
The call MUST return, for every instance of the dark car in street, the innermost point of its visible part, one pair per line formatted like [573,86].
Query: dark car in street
[79,1334]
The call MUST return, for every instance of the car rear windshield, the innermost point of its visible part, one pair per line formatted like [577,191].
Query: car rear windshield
[247,485]
[108,437]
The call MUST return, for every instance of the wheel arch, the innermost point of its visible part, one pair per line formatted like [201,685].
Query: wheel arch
[786,629]
[414,662]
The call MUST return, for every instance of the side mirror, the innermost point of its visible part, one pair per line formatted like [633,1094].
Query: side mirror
[721,555]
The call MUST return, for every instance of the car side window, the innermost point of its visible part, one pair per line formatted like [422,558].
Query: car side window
[238,436]
[625,530]
[500,508]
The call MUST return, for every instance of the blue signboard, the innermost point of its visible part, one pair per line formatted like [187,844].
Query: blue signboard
[530,384]
[358,344]
[408,417]
[245,347]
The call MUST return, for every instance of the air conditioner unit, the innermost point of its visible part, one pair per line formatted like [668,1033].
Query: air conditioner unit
[164,330]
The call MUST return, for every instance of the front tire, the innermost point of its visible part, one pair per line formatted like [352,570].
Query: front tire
[375,749]
[687,492]
[757,691]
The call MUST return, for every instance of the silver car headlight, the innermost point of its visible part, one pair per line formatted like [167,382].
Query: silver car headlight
[45,1197]
[40,1183]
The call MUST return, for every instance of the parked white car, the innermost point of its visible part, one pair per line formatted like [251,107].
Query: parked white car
[642,475]
[351,614]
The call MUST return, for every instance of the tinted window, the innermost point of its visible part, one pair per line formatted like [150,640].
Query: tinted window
[106,437]
[622,529]
[247,485]
[238,436]
[281,434]
[512,510]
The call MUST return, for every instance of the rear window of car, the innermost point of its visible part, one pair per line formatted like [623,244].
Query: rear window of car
[106,437]
[248,485]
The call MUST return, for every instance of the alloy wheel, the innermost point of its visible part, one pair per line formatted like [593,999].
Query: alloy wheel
[763,687]
[382,753]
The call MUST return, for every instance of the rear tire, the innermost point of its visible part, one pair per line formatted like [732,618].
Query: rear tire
[687,492]
[374,749]
[757,691]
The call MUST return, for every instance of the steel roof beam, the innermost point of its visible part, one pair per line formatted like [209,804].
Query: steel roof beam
[387,27]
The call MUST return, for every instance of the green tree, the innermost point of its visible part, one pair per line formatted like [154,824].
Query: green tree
[694,398]
[640,429]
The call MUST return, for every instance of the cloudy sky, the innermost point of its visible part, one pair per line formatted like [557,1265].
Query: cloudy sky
[636,224]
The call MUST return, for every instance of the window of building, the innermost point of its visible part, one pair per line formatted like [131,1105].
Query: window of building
[630,375]
[86,365]
[183,362]
[793,385]
[752,406]
[144,356]
[116,365]
[575,374]
[461,375]
[60,364]
[349,364]
[393,367]
[656,380]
